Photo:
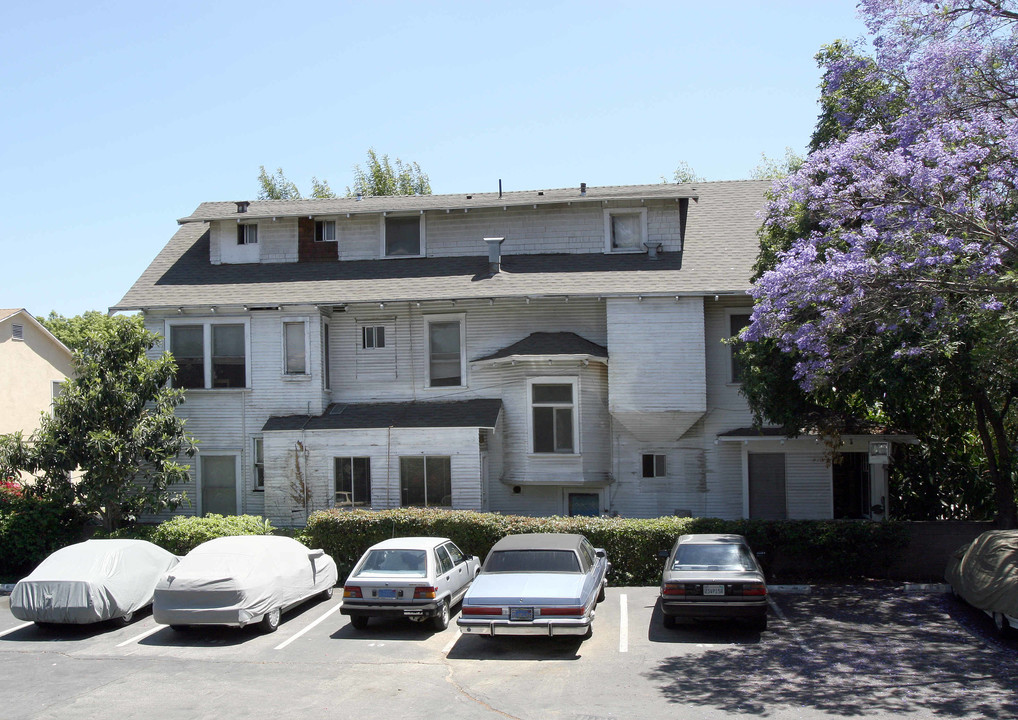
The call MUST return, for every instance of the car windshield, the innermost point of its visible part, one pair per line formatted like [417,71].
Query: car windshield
[412,563]
[516,561]
[713,557]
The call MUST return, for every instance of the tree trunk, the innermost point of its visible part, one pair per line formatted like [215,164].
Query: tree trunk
[998,457]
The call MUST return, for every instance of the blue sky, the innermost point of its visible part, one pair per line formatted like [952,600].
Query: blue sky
[120,117]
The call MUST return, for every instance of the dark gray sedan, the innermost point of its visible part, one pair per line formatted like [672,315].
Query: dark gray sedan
[713,577]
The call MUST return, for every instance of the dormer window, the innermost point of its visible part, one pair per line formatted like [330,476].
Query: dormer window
[325,231]
[403,235]
[247,234]
[625,230]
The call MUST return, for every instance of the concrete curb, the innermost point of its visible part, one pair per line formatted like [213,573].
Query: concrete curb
[790,589]
[926,588]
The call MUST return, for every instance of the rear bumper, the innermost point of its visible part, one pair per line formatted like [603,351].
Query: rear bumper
[389,611]
[547,628]
[742,609]
[204,616]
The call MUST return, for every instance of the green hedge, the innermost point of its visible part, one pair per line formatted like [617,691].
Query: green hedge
[30,529]
[182,534]
[801,549]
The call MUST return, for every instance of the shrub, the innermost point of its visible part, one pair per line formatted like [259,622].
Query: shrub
[182,534]
[792,549]
[31,528]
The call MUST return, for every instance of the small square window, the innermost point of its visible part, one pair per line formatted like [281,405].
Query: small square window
[373,337]
[325,231]
[625,230]
[653,465]
[247,234]
[403,236]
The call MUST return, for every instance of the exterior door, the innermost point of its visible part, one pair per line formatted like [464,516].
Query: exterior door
[767,486]
[219,484]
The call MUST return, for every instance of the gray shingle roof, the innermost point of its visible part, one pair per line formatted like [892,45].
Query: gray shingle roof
[362,416]
[550,343]
[720,248]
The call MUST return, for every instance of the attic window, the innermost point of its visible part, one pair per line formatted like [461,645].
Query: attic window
[247,234]
[625,230]
[17,332]
[325,231]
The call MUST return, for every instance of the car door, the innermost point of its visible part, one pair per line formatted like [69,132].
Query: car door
[446,570]
[461,575]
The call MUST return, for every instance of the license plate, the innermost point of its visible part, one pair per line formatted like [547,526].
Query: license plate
[412,613]
[713,589]
[521,613]
[386,593]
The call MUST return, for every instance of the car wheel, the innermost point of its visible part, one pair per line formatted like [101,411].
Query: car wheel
[125,620]
[270,621]
[668,621]
[1004,628]
[326,594]
[441,621]
[600,594]
[359,621]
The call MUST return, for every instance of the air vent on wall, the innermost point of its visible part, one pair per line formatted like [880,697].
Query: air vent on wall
[18,332]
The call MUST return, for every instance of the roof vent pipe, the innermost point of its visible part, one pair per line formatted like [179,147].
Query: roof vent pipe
[360,196]
[653,248]
[583,188]
[494,254]
[242,206]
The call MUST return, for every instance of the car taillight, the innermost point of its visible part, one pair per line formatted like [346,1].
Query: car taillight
[754,589]
[572,611]
[673,589]
[352,591]
[466,610]
[423,592]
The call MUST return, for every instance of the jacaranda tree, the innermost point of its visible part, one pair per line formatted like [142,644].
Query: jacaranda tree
[898,289]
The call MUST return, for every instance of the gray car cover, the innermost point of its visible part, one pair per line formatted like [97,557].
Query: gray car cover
[236,580]
[91,581]
[985,572]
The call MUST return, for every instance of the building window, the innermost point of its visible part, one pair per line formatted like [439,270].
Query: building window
[259,465]
[653,465]
[56,389]
[736,322]
[247,234]
[295,348]
[17,332]
[325,231]
[425,481]
[625,230]
[553,426]
[403,236]
[373,337]
[445,352]
[353,481]
[209,355]
[326,374]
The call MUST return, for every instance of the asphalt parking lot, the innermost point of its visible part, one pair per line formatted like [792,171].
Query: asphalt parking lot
[839,652]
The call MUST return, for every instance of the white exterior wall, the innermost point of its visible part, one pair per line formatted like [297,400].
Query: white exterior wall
[277,242]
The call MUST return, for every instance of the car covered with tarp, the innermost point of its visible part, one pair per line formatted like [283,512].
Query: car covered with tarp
[92,581]
[984,574]
[242,580]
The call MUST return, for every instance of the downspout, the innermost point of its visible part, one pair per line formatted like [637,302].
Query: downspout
[388,470]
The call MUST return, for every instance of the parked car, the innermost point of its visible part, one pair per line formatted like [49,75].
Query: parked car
[92,581]
[419,578]
[984,573]
[713,577]
[538,584]
[242,580]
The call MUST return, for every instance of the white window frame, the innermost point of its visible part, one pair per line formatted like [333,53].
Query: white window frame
[56,389]
[554,380]
[255,465]
[461,318]
[423,247]
[326,357]
[658,472]
[326,224]
[644,236]
[425,458]
[729,313]
[250,229]
[207,324]
[355,502]
[199,471]
[306,321]
[374,337]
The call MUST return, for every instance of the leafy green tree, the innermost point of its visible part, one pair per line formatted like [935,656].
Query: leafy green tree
[73,331]
[684,173]
[380,176]
[276,186]
[112,427]
[776,168]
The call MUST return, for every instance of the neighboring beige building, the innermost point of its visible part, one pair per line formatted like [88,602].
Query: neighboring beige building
[33,363]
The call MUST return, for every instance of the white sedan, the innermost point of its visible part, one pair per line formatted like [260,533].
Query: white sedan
[242,580]
[418,578]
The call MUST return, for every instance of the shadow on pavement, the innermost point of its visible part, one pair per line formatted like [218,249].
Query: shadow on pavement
[701,632]
[871,653]
[509,647]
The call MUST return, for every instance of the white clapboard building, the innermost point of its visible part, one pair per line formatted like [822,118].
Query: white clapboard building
[541,352]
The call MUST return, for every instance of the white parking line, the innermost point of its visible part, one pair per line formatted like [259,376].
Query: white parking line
[15,629]
[448,645]
[791,629]
[624,623]
[139,638]
[286,642]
